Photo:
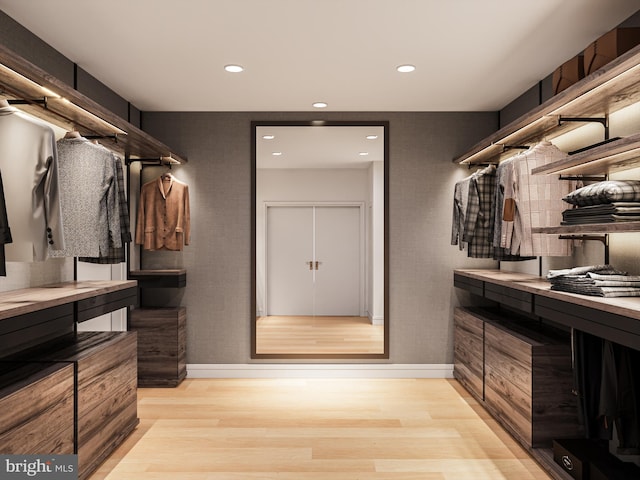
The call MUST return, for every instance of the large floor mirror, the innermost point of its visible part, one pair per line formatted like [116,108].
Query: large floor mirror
[320,236]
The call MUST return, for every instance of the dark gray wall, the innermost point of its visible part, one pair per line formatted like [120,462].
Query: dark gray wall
[218,262]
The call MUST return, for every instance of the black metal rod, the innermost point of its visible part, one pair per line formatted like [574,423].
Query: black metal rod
[40,101]
[99,137]
[583,177]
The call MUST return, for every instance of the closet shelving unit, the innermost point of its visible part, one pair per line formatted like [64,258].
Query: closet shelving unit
[594,98]
[36,333]
[50,99]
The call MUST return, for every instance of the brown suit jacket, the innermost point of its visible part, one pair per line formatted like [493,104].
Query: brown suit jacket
[163,221]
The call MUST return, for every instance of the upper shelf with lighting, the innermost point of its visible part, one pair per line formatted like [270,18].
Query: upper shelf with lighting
[607,90]
[56,102]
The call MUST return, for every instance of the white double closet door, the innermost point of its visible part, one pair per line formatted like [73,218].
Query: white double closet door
[314,260]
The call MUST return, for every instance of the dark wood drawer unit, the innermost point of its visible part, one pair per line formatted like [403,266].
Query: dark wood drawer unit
[161,345]
[617,328]
[108,302]
[105,386]
[25,331]
[36,408]
[472,285]
[528,382]
[510,297]
[468,354]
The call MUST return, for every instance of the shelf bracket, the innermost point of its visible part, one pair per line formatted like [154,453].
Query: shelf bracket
[587,178]
[604,121]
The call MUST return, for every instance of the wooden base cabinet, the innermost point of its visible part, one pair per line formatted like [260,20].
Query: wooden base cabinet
[36,408]
[528,383]
[468,356]
[161,345]
[105,386]
[524,371]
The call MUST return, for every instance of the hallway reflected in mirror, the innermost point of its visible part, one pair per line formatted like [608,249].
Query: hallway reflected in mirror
[319,240]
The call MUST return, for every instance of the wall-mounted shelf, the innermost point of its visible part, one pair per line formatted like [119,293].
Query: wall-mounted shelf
[617,155]
[605,91]
[58,103]
[164,278]
[588,228]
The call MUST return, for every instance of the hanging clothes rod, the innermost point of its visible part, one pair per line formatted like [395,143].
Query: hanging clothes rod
[39,101]
[166,160]
[102,137]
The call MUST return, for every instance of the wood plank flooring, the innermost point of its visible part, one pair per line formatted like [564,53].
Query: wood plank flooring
[314,429]
[318,335]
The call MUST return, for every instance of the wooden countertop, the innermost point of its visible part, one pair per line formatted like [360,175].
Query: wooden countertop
[624,306]
[28,300]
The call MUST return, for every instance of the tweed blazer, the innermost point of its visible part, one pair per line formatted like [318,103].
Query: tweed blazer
[163,221]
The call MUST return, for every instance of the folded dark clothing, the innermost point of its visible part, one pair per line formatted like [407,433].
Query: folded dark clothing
[600,219]
[618,207]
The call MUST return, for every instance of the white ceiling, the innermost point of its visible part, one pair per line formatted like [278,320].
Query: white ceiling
[168,55]
[319,146]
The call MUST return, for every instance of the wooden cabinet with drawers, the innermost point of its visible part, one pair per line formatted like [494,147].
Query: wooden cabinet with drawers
[36,408]
[520,371]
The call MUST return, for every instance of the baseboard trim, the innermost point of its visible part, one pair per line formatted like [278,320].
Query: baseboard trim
[320,370]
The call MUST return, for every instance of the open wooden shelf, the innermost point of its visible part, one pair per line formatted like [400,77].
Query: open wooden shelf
[56,102]
[587,228]
[603,92]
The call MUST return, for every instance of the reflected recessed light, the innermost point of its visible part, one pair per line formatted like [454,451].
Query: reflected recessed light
[405,68]
[234,68]
[320,105]
[276,154]
[372,137]
[268,137]
[363,154]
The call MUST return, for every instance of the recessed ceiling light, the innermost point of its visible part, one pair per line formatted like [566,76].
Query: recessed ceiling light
[276,154]
[405,68]
[234,68]
[320,105]
[268,137]
[372,137]
[363,154]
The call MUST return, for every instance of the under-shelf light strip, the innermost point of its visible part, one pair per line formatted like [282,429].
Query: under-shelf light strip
[557,112]
[51,94]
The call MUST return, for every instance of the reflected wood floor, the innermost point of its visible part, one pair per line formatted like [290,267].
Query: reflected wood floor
[316,429]
[318,335]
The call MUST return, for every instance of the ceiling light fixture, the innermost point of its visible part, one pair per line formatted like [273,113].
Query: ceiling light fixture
[234,68]
[268,137]
[372,137]
[320,105]
[276,154]
[405,68]
[363,154]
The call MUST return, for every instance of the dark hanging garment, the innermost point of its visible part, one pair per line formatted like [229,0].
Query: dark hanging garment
[5,231]
[628,406]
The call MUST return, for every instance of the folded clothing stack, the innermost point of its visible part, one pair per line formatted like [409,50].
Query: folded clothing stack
[604,202]
[595,280]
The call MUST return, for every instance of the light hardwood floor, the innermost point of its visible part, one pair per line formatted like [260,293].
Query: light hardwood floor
[295,429]
[318,335]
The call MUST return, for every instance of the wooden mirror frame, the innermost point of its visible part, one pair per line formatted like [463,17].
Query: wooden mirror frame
[340,356]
